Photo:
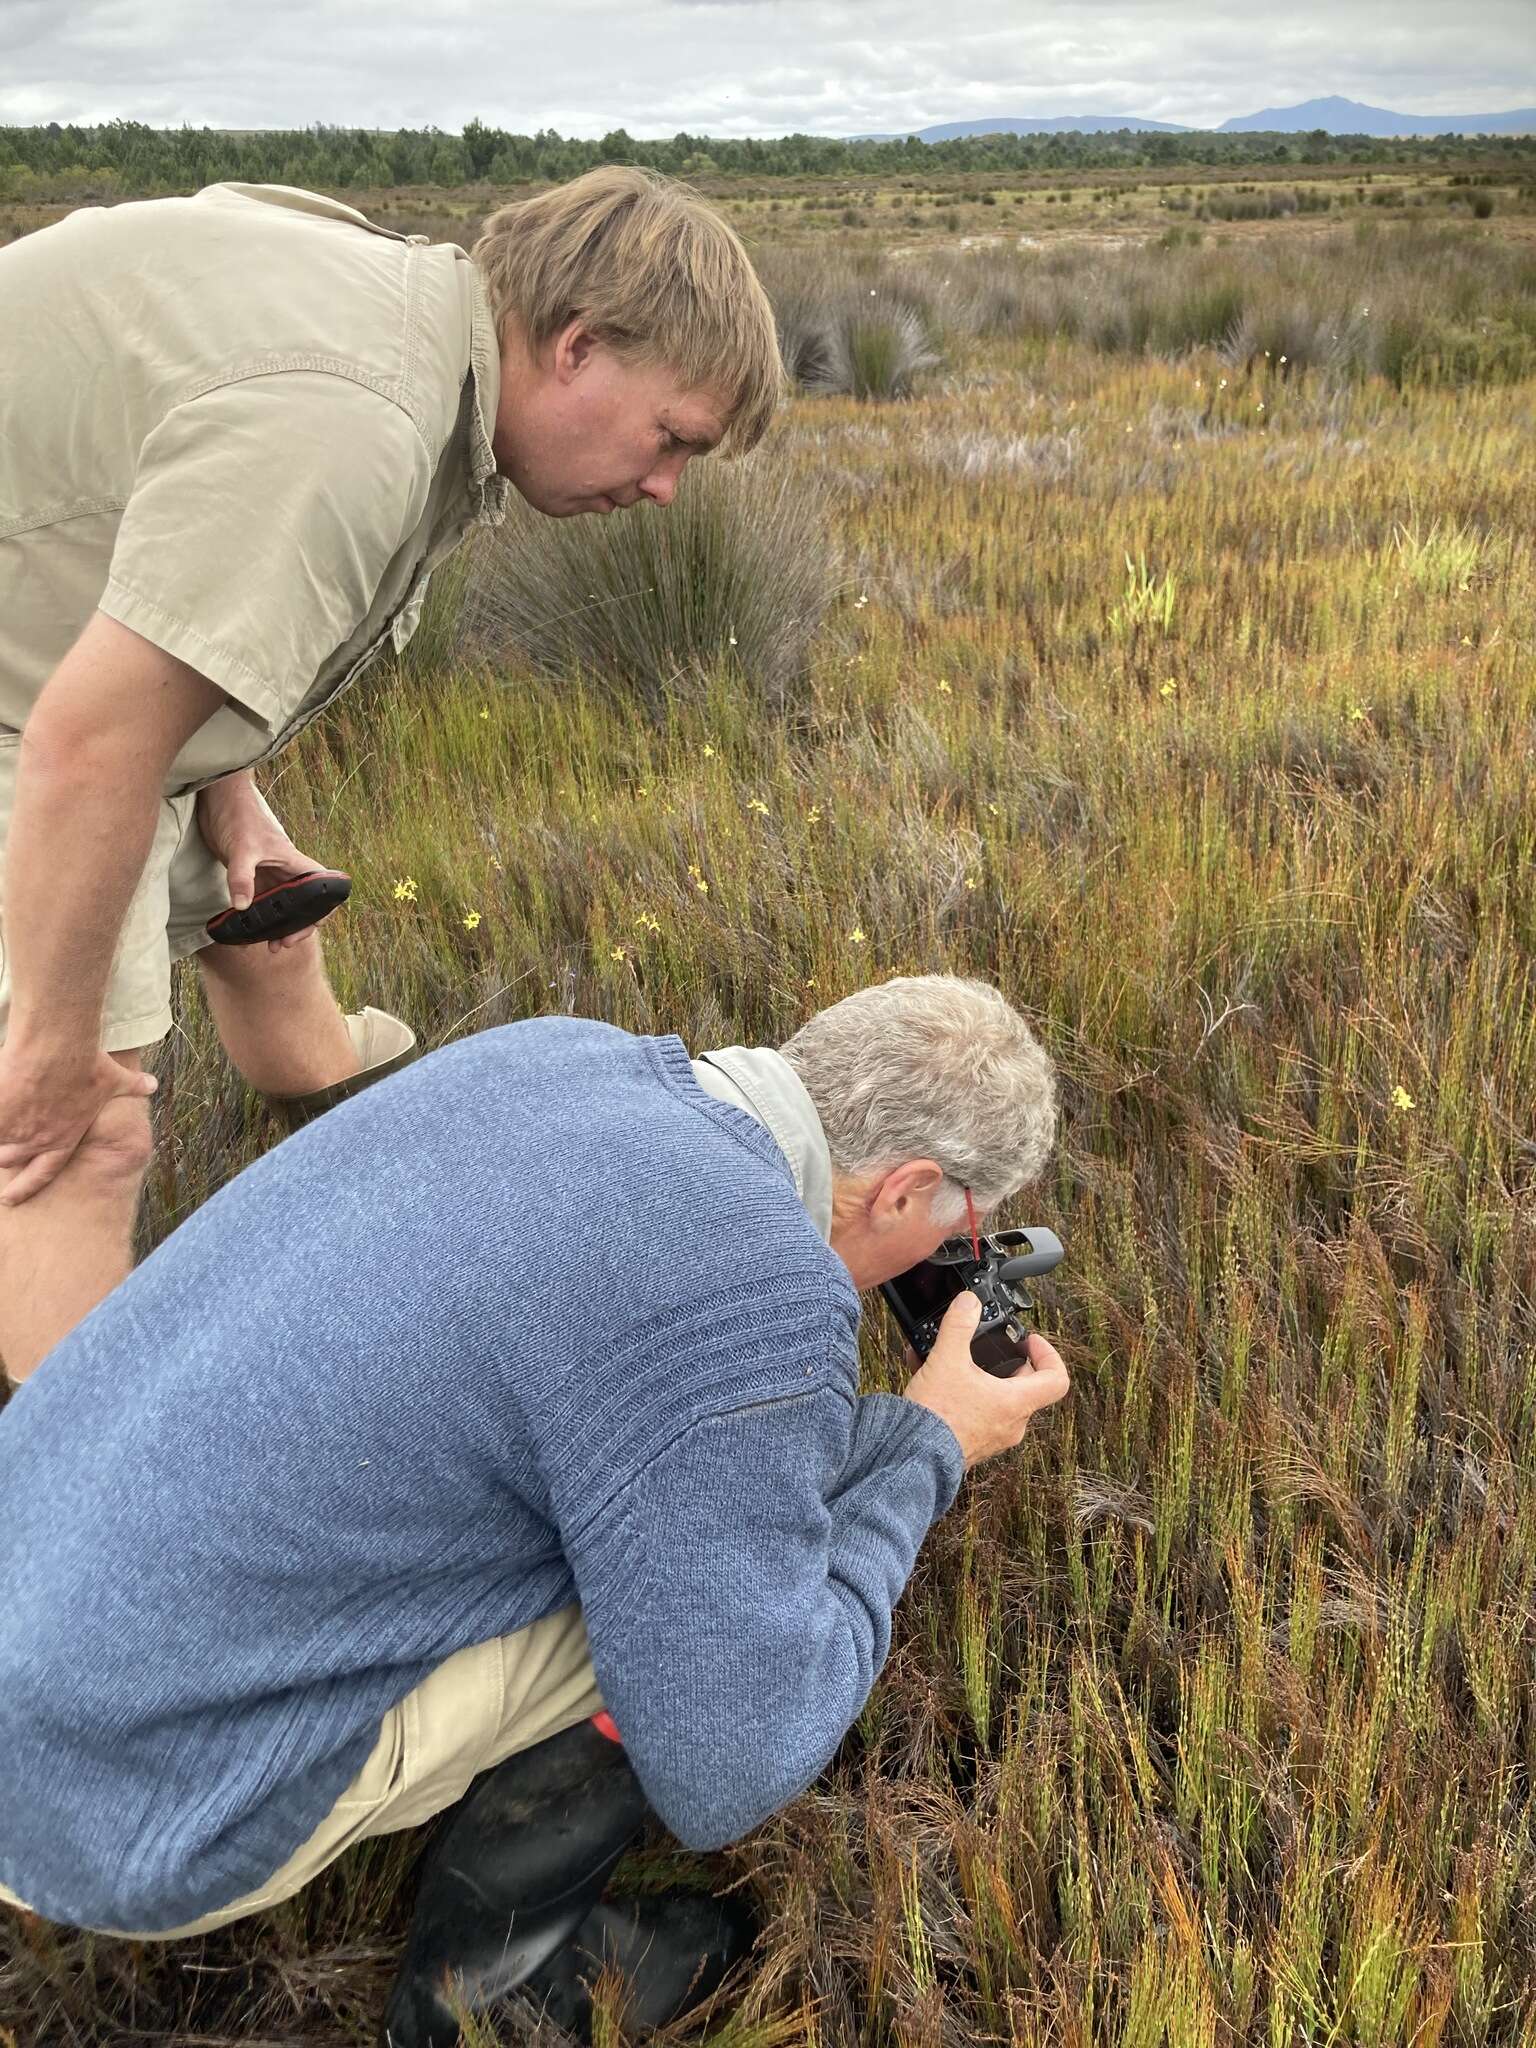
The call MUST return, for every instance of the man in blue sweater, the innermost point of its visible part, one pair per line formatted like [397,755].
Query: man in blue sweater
[494,1445]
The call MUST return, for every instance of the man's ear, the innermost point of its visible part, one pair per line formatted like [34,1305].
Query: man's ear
[574,346]
[911,1181]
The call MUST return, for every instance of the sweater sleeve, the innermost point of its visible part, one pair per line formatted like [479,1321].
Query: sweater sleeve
[738,1594]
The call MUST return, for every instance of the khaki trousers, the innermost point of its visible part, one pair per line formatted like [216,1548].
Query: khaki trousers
[481,1706]
[182,886]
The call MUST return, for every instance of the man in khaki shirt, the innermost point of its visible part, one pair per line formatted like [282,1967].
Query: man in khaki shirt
[239,432]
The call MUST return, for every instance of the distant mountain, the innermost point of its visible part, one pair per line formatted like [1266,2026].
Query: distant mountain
[1349,117]
[1057,124]
[1336,116]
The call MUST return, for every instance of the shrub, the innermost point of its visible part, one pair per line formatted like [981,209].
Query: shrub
[735,576]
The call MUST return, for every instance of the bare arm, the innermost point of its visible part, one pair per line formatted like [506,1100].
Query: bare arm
[94,754]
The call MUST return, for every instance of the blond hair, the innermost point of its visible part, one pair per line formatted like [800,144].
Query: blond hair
[655,273]
[928,1066]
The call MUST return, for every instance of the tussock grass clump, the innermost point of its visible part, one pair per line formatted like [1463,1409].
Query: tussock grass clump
[879,352]
[734,577]
[868,335]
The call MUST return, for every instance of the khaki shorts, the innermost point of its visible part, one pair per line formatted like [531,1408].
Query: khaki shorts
[181,888]
[481,1706]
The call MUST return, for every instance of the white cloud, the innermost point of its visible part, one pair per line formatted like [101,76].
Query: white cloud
[744,67]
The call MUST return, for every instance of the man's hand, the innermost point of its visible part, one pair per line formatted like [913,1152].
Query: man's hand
[240,829]
[987,1414]
[47,1104]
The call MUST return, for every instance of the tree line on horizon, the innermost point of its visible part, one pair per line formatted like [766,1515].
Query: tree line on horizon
[140,158]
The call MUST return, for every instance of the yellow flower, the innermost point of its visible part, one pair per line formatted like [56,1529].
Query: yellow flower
[1168,688]
[991,810]
[811,982]
[617,953]
[470,919]
[970,882]
[647,923]
[698,880]
[709,753]
[755,803]
[485,714]
[1401,1099]
[1357,712]
[856,936]
[945,687]
[813,815]
[405,889]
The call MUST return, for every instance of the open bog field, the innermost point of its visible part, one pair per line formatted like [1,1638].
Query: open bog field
[1164,654]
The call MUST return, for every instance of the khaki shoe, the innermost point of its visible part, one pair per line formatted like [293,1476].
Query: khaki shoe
[382,1043]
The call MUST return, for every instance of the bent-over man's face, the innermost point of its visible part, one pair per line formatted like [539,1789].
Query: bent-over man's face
[580,430]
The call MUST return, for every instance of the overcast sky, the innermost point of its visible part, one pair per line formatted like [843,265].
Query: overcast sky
[747,67]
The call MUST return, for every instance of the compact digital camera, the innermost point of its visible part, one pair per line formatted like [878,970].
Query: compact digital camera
[919,1297]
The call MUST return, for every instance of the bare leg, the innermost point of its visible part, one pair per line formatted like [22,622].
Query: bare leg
[68,1247]
[275,1013]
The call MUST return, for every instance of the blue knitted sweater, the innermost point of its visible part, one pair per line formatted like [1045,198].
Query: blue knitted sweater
[536,1320]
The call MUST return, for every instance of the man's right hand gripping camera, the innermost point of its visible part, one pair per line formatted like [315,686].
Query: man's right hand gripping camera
[993,1268]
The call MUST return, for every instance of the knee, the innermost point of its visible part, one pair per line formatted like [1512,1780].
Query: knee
[257,970]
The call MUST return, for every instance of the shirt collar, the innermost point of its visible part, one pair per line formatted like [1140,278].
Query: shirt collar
[764,1084]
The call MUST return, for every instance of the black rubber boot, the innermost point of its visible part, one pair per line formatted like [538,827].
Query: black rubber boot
[673,1949]
[510,1876]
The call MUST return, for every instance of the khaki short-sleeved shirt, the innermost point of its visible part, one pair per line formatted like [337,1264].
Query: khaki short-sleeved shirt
[246,424]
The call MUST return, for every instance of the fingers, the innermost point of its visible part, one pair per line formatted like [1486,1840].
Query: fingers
[962,1316]
[134,1082]
[35,1176]
[242,882]
[1045,1379]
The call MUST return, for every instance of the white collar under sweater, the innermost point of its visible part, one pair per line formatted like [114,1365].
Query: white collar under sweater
[763,1083]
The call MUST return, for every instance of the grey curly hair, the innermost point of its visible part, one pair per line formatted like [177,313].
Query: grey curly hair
[930,1066]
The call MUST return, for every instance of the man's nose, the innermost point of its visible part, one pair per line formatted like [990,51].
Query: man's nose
[659,487]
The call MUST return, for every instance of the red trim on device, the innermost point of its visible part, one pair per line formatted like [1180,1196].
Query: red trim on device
[604,1725]
[278,889]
